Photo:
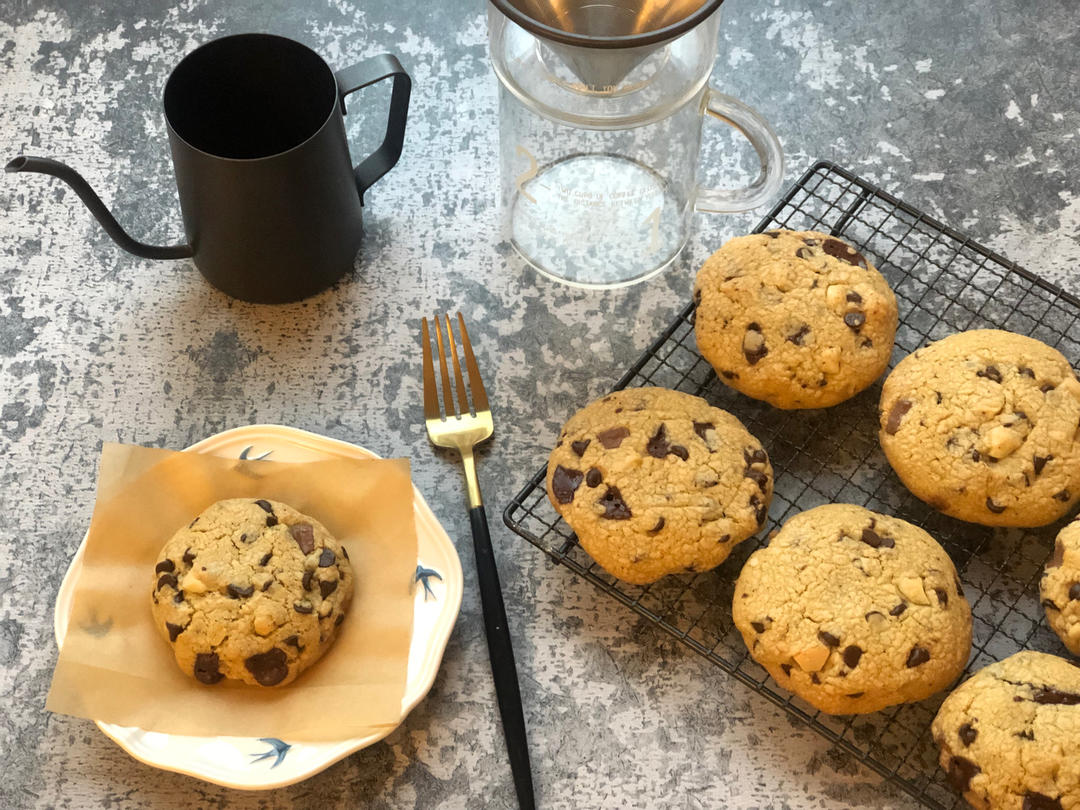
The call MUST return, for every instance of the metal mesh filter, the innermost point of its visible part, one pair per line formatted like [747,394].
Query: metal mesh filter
[944,283]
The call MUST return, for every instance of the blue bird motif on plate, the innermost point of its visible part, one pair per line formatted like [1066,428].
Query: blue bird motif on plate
[422,576]
[278,750]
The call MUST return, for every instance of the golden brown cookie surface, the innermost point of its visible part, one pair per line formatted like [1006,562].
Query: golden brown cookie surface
[1059,588]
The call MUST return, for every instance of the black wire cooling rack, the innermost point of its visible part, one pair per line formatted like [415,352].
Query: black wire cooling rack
[944,283]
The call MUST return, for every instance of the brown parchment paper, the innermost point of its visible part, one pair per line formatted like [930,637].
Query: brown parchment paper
[115,667]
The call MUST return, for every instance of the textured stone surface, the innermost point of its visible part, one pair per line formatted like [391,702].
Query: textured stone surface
[968,109]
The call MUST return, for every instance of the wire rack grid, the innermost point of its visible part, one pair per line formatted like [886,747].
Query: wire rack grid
[944,283]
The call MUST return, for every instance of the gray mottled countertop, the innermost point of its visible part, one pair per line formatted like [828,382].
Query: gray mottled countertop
[967,108]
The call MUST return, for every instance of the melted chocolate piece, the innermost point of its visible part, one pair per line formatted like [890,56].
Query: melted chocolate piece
[759,627]
[1046,387]
[1026,735]
[327,588]
[658,446]
[854,695]
[855,320]
[238,591]
[961,772]
[165,566]
[615,507]
[786,669]
[804,253]
[852,654]
[918,656]
[853,297]
[723,538]
[975,455]
[303,607]
[166,579]
[990,373]
[828,639]
[967,734]
[340,618]
[659,525]
[943,596]
[700,428]
[580,446]
[755,354]
[761,510]
[613,437]
[1062,496]
[1074,592]
[1040,801]
[1040,462]
[188,557]
[594,477]
[564,483]
[179,597]
[174,630]
[327,558]
[993,507]
[1048,695]
[797,337]
[304,535]
[875,540]
[305,581]
[844,252]
[1024,371]
[896,611]
[680,451]
[896,414]
[755,456]
[269,668]
[266,558]
[265,506]
[344,553]
[206,668]
[294,641]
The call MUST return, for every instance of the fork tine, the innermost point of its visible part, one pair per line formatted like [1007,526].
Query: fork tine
[431,392]
[448,395]
[479,395]
[462,401]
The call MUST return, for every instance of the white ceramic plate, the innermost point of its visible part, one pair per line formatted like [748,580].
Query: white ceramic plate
[257,764]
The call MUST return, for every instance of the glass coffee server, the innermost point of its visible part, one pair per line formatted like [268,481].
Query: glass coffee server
[601,104]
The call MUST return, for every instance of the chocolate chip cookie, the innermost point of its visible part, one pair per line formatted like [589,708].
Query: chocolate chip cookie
[1008,735]
[251,590]
[1059,588]
[799,319]
[854,611]
[985,426]
[656,482]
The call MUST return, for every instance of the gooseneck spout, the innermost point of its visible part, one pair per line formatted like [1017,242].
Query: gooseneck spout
[24,163]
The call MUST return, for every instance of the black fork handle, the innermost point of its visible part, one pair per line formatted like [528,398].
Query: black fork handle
[501,653]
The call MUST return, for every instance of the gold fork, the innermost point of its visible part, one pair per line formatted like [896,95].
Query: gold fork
[462,428]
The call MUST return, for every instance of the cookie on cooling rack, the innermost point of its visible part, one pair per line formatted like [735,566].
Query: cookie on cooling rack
[798,319]
[854,611]
[656,482]
[1008,734]
[985,426]
[1059,587]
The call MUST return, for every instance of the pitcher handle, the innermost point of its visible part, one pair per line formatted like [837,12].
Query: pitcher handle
[363,74]
[756,130]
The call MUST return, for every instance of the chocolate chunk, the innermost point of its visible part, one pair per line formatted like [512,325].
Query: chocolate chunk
[1024,371]
[874,613]
[854,695]
[1046,387]
[327,558]
[327,588]
[828,639]
[1049,604]
[179,597]
[658,446]
[206,668]
[852,654]
[844,252]
[304,535]
[797,337]
[701,428]
[271,520]
[1026,735]
[164,566]
[294,641]
[993,507]
[344,553]
[896,611]
[340,618]
[1062,496]
[968,734]
[1040,801]
[174,630]
[564,483]
[303,607]
[853,297]
[579,446]
[728,375]
[759,627]
[811,241]
[724,538]
[918,656]
[975,455]
[754,347]
[1074,591]
[615,507]
[990,373]
[265,506]
[266,585]
[961,772]
[761,510]
[238,591]
[593,477]
[867,343]
[755,456]
[659,525]
[942,596]
[188,557]
[1040,462]
[875,540]
[269,668]
[1048,695]
[613,437]
[896,414]
[937,397]
[266,558]
[804,253]
[243,537]
[786,669]
[855,320]
[305,580]
[814,678]
[758,477]
[166,579]
[680,451]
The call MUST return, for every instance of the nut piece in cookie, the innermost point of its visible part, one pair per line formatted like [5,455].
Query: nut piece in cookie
[1059,588]
[798,319]
[251,590]
[985,426]
[1008,734]
[854,611]
[657,482]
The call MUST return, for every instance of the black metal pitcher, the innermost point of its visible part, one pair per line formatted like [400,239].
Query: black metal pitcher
[271,203]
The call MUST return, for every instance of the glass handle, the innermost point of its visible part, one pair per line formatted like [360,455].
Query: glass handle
[756,130]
